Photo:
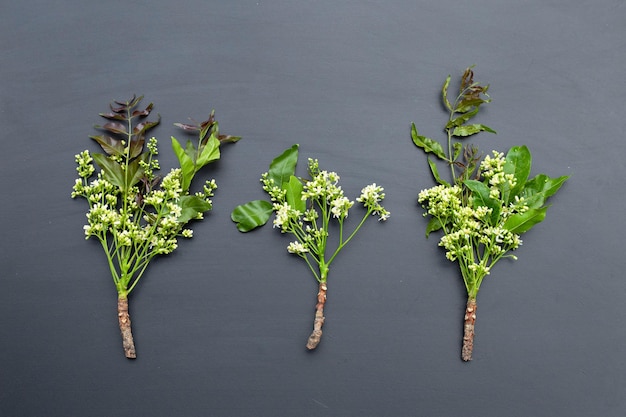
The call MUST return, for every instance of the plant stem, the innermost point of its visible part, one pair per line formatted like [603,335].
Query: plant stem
[316,336]
[468,329]
[125,329]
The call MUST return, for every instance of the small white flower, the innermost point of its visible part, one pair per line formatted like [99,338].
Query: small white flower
[297,248]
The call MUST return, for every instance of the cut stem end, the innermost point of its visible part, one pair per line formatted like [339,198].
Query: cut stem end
[124,322]
[468,329]
[316,335]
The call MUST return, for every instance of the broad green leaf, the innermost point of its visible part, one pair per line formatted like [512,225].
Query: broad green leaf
[251,215]
[429,145]
[112,171]
[480,194]
[468,105]
[191,151]
[444,93]
[191,205]
[294,194]
[538,189]
[210,152]
[433,225]
[435,171]
[187,165]
[284,166]
[468,130]
[523,222]
[458,121]
[135,171]
[518,162]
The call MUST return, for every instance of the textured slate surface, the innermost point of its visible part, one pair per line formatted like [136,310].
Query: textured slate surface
[220,326]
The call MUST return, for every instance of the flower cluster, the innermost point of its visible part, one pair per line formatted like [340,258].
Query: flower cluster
[492,169]
[472,235]
[323,199]
[147,220]
[371,196]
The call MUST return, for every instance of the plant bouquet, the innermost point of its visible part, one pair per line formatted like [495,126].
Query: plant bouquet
[305,208]
[488,204]
[135,214]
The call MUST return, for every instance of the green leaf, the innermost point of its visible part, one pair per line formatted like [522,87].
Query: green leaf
[468,130]
[186,163]
[518,162]
[294,194]
[429,145]
[468,105]
[538,189]
[251,215]
[210,152]
[435,171]
[458,147]
[433,225]
[458,121]
[134,171]
[284,166]
[480,194]
[191,151]
[444,93]
[523,222]
[112,171]
[191,205]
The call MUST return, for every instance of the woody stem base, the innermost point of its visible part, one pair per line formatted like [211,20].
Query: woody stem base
[468,329]
[124,322]
[316,335]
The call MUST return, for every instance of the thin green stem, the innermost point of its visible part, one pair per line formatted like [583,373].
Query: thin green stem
[342,244]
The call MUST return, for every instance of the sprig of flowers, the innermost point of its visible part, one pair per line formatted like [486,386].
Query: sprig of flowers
[135,214]
[305,209]
[489,203]
[326,202]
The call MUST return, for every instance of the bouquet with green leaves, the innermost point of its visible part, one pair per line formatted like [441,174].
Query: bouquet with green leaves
[305,208]
[488,204]
[135,214]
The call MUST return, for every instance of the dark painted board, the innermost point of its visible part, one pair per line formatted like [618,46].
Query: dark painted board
[220,326]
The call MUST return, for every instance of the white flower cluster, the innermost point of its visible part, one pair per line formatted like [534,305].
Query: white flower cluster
[286,216]
[326,200]
[275,191]
[440,201]
[492,169]
[297,248]
[371,196]
[471,234]
[130,218]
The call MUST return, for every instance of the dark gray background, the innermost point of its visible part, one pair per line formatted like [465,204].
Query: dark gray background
[220,325]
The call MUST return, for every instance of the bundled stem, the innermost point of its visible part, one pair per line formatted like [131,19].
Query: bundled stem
[316,335]
[468,329]
[125,329]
